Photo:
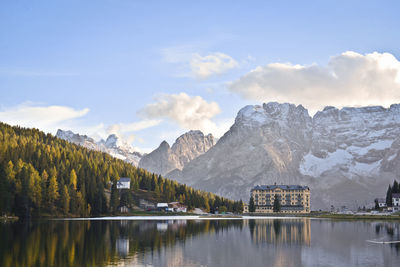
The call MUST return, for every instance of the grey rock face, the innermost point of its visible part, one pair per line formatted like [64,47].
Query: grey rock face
[113,145]
[159,161]
[347,156]
[186,148]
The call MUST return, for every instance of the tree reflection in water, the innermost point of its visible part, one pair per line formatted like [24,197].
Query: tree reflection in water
[94,243]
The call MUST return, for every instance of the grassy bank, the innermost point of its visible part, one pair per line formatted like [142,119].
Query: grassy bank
[327,215]
[358,217]
[154,213]
[227,216]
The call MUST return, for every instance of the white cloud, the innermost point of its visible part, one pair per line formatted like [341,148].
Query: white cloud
[43,117]
[51,118]
[212,64]
[189,112]
[349,79]
[191,64]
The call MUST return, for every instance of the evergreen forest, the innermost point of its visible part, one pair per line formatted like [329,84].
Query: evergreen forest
[41,175]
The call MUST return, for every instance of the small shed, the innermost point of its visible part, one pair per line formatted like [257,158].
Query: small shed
[124,183]
[162,206]
[176,207]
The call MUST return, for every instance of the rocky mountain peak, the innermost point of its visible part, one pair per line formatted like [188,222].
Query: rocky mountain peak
[111,141]
[186,147]
[78,139]
[256,115]
[114,141]
[164,145]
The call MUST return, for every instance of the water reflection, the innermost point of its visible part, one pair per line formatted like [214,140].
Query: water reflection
[295,231]
[392,231]
[267,242]
[94,243]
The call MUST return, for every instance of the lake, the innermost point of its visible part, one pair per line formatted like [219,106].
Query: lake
[194,242]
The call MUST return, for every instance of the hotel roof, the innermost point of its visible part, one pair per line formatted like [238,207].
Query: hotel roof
[283,187]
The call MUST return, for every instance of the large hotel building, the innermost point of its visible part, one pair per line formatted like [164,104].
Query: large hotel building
[292,198]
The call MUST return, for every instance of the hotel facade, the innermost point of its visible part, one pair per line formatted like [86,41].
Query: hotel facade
[292,198]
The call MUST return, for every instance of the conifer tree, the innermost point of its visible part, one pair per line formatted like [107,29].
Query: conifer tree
[73,180]
[114,199]
[252,207]
[65,200]
[52,193]
[395,188]
[389,196]
[277,205]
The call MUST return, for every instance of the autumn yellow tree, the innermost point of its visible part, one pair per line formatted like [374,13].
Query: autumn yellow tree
[52,193]
[73,179]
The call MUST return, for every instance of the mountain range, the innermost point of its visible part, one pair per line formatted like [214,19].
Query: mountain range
[113,145]
[346,156]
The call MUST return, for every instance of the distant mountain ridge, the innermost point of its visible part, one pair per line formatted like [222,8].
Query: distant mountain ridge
[347,156]
[187,147]
[113,145]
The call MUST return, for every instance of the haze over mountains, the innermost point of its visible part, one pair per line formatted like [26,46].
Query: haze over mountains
[347,156]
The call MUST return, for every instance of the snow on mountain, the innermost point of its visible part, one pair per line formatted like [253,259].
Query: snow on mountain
[347,156]
[187,147]
[114,145]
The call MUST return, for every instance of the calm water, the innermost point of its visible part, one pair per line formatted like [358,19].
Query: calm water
[264,242]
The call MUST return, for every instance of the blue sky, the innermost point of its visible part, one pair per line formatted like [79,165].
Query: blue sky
[139,68]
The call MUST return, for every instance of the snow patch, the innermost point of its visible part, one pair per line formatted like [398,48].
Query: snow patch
[391,157]
[116,155]
[380,145]
[365,169]
[314,166]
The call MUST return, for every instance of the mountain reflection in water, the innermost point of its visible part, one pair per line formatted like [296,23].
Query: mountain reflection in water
[264,242]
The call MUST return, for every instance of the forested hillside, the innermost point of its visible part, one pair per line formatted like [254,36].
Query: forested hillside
[41,175]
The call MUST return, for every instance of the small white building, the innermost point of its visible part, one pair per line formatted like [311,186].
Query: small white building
[396,202]
[381,202]
[124,183]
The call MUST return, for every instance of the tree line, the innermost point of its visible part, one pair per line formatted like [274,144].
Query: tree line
[43,175]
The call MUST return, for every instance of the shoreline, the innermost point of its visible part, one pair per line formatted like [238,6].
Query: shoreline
[192,216]
[239,217]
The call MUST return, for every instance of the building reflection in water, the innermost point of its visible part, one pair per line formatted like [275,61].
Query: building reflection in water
[122,246]
[276,231]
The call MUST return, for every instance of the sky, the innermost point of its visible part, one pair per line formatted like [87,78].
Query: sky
[151,70]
